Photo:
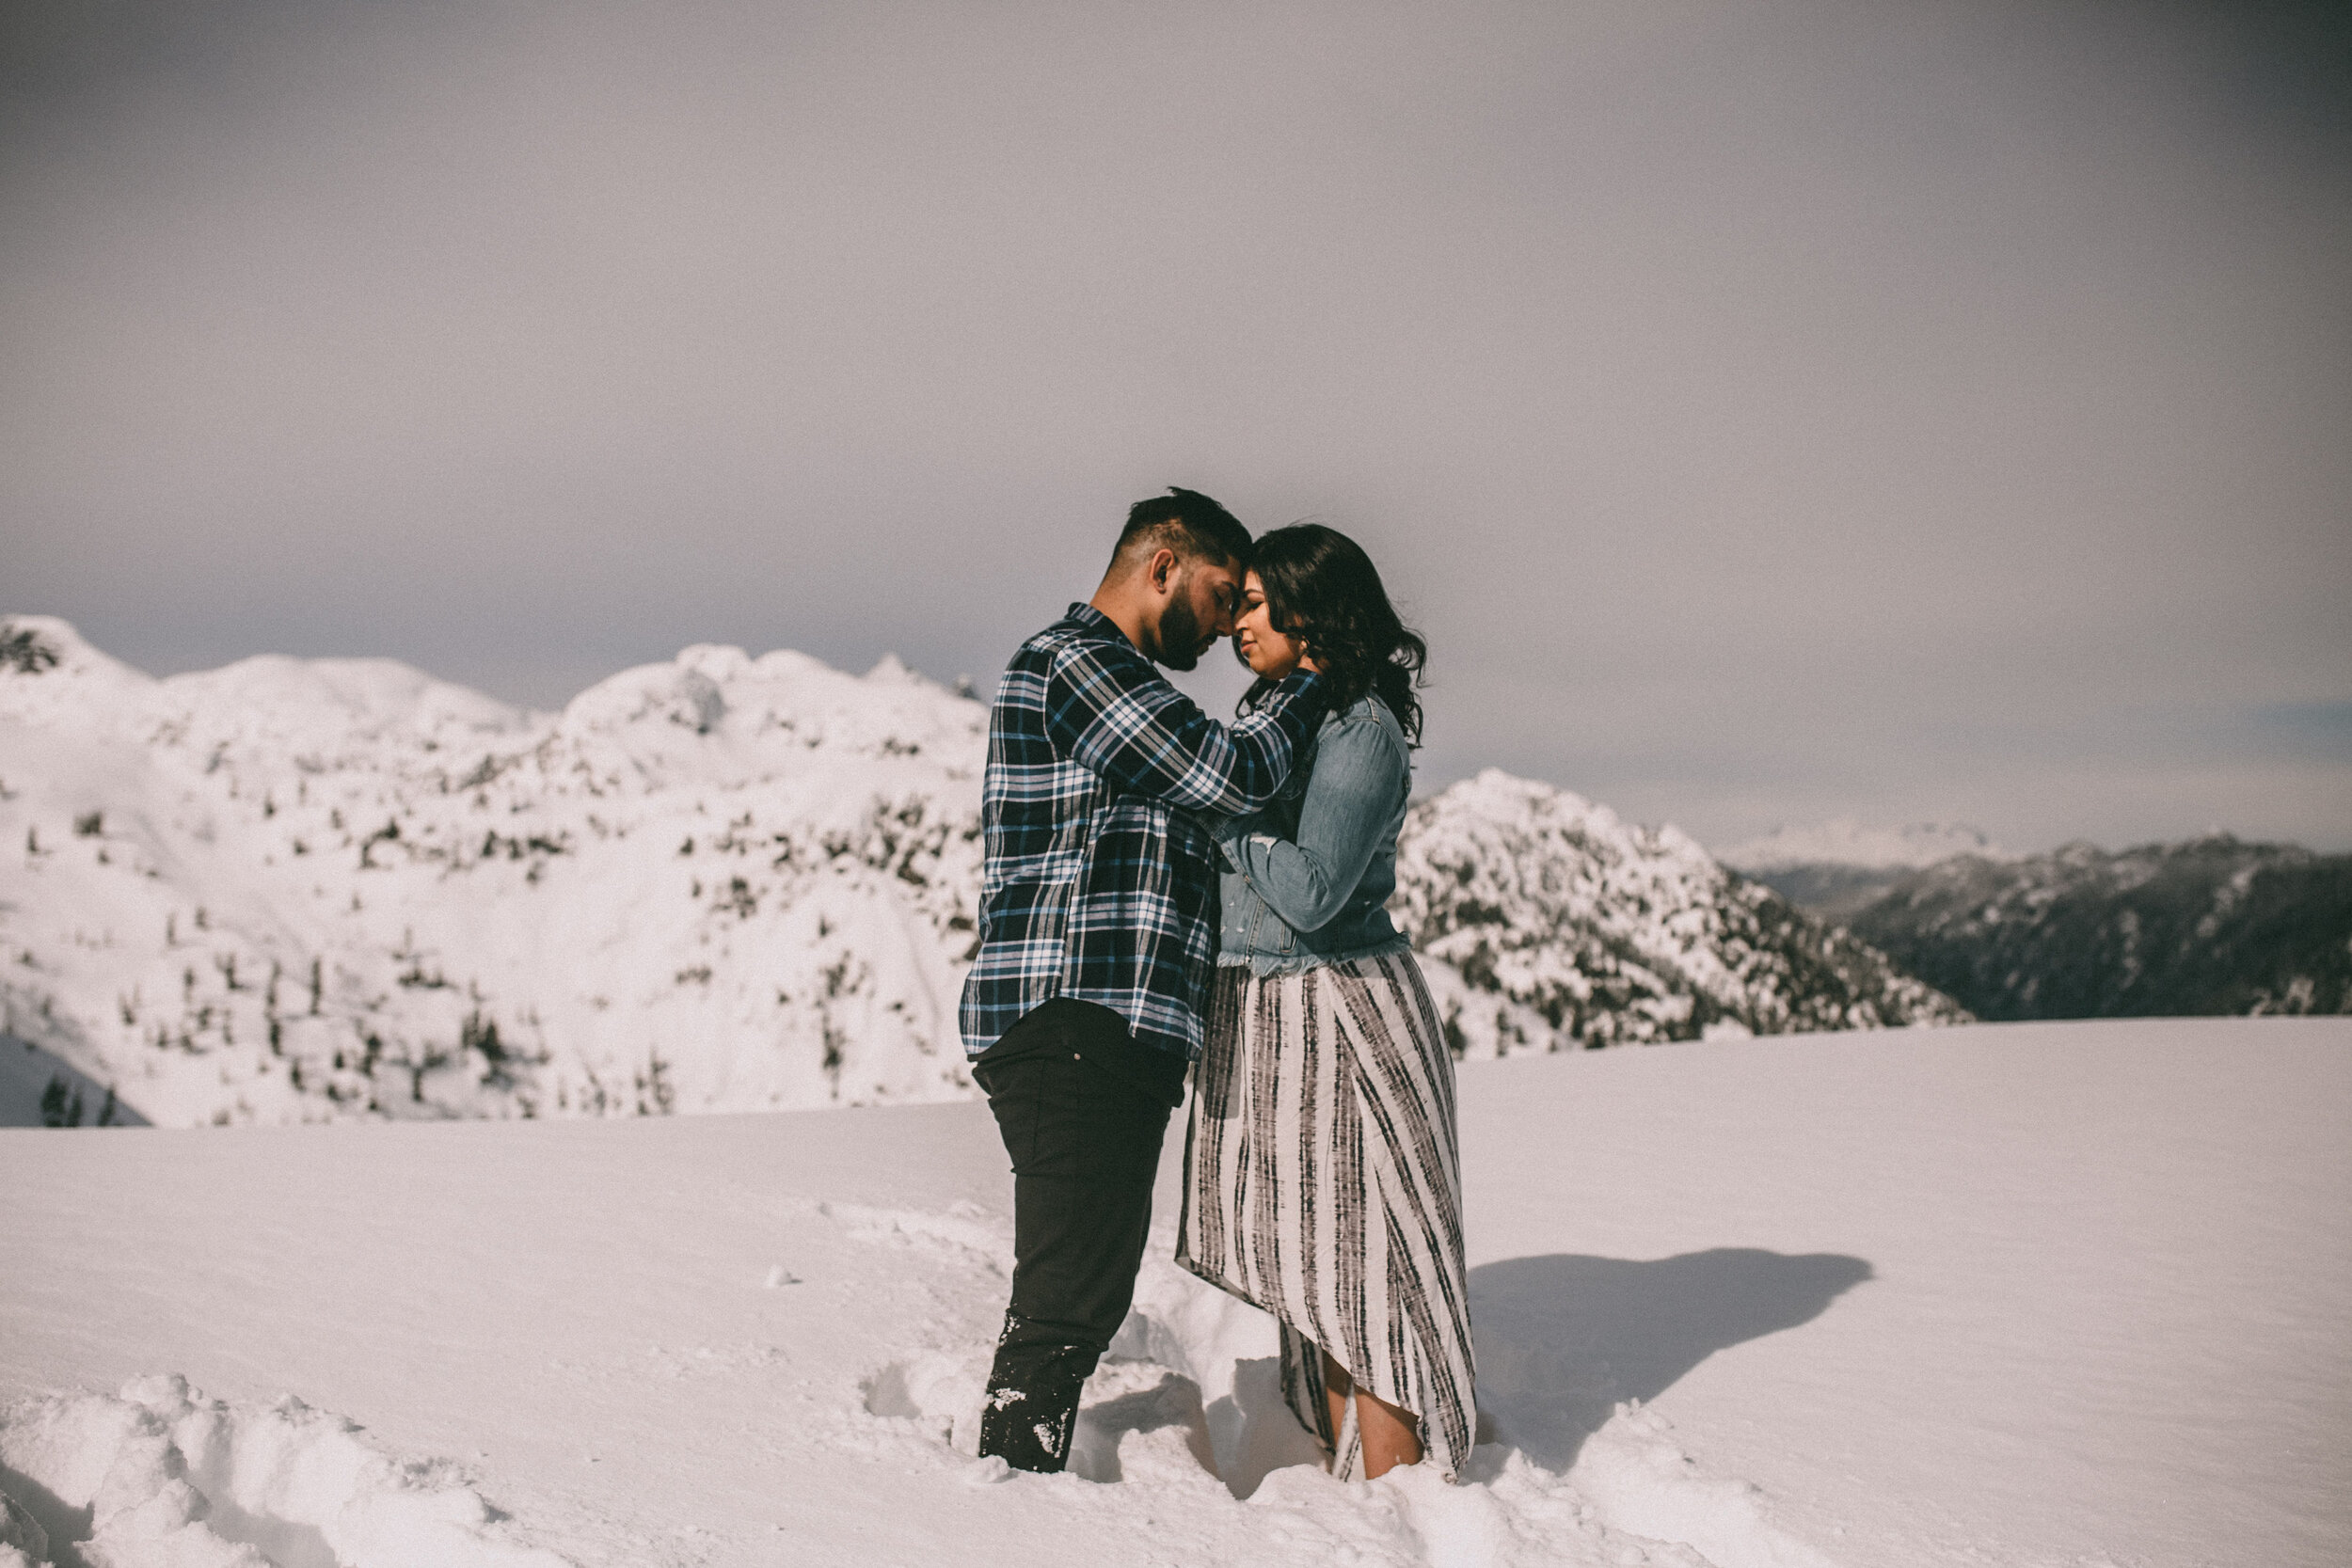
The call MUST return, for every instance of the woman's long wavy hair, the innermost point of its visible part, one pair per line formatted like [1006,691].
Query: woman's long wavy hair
[1320,586]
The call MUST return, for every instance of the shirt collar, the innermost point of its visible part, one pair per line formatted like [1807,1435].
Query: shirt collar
[1094,620]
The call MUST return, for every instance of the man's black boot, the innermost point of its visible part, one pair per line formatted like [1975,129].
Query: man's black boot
[1032,1404]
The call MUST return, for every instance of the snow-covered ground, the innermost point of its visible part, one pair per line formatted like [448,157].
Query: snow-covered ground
[2050,1295]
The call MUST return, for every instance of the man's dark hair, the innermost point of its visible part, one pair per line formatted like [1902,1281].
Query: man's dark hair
[1187,522]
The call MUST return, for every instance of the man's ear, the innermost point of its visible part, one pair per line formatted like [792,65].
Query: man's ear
[1163,568]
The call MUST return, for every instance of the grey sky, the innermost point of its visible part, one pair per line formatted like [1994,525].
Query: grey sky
[1769,412]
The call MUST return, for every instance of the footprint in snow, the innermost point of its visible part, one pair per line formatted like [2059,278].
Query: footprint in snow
[966,1233]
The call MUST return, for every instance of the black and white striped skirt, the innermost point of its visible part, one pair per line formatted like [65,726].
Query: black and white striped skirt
[1323,1184]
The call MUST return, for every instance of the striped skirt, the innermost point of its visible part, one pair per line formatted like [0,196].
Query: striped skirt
[1323,1184]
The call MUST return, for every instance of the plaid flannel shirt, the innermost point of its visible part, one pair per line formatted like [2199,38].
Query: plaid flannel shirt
[1099,882]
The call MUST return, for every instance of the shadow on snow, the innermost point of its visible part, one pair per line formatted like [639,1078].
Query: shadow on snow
[1561,1342]
[1563,1339]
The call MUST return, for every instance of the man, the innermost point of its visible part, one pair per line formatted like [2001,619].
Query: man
[1098,931]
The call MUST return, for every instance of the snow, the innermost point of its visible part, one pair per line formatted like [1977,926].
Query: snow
[38,1089]
[1843,841]
[2051,1296]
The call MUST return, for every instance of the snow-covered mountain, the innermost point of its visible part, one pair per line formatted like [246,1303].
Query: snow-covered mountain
[288,890]
[1566,927]
[2206,926]
[1833,868]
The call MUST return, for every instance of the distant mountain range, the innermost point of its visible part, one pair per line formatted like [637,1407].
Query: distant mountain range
[2208,926]
[2211,926]
[1835,868]
[290,890]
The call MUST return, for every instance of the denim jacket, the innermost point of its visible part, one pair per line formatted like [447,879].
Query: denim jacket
[1307,879]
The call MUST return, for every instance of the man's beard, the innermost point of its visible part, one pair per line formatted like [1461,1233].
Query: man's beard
[1178,635]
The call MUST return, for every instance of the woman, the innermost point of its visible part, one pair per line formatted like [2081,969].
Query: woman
[1321,1177]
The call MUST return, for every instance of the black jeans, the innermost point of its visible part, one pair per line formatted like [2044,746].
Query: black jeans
[1084,1128]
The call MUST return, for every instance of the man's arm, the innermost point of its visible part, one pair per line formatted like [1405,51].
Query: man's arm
[1120,718]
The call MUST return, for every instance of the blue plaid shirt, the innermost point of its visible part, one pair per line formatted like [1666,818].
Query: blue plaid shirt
[1099,882]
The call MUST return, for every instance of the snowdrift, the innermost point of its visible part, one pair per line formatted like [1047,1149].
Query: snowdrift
[158,1474]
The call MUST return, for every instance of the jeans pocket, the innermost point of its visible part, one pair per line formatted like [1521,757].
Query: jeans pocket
[1016,1096]
[1057,1117]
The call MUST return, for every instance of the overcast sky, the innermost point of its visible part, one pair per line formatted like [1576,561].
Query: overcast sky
[1770,412]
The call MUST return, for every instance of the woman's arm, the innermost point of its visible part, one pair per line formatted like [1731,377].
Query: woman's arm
[1357,782]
